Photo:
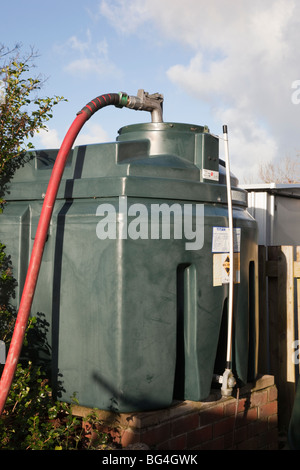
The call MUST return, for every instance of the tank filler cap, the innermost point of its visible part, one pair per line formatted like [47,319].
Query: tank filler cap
[145,102]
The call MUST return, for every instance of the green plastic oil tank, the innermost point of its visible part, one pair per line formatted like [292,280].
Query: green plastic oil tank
[134,276]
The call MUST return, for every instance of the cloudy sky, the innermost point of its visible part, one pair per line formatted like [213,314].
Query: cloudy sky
[230,62]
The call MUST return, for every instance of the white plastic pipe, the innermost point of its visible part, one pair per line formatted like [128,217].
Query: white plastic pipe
[231,251]
[228,380]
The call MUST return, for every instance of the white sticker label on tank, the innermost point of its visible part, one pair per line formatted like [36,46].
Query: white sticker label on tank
[210,175]
[220,240]
[222,266]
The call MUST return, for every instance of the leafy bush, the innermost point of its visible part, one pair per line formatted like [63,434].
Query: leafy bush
[22,112]
[32,419]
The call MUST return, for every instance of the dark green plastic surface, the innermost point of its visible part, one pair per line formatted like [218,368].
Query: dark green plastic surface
[134,324]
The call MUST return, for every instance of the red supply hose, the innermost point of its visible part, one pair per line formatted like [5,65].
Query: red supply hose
[40,239]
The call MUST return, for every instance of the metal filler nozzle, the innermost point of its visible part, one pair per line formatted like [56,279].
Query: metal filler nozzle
[145,102]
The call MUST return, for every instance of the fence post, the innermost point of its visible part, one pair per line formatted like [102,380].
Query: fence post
[297,275]
[286,329]
[263,343]
[272,305]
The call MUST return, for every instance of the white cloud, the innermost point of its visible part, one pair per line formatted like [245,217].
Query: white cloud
[249,83]
[92,133]
[80,46]
[243,58]
[48,139]
[126,16]
[250,145]
[90,66]
[85,57]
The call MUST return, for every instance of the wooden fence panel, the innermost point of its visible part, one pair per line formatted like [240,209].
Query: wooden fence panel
[279,290]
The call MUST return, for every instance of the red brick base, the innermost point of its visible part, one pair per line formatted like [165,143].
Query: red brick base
[248,421]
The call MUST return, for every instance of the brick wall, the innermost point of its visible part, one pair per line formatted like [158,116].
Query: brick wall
[248,421]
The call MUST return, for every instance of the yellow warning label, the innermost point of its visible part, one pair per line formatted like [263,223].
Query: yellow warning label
[221,268]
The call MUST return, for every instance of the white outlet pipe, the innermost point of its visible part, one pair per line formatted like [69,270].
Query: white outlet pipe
[230,225]
[228,379]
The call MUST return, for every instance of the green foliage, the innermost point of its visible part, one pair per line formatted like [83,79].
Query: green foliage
[32,419]
[22,113]
[7,288]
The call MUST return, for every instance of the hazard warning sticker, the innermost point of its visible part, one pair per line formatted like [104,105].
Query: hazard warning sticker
[221,257]
[210,175]
[222,266]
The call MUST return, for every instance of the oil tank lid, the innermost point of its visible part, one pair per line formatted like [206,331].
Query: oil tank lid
[163,126]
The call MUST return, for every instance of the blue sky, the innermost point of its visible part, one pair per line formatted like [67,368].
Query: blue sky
[220,62]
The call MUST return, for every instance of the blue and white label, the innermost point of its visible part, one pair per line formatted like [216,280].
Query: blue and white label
[220,240]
